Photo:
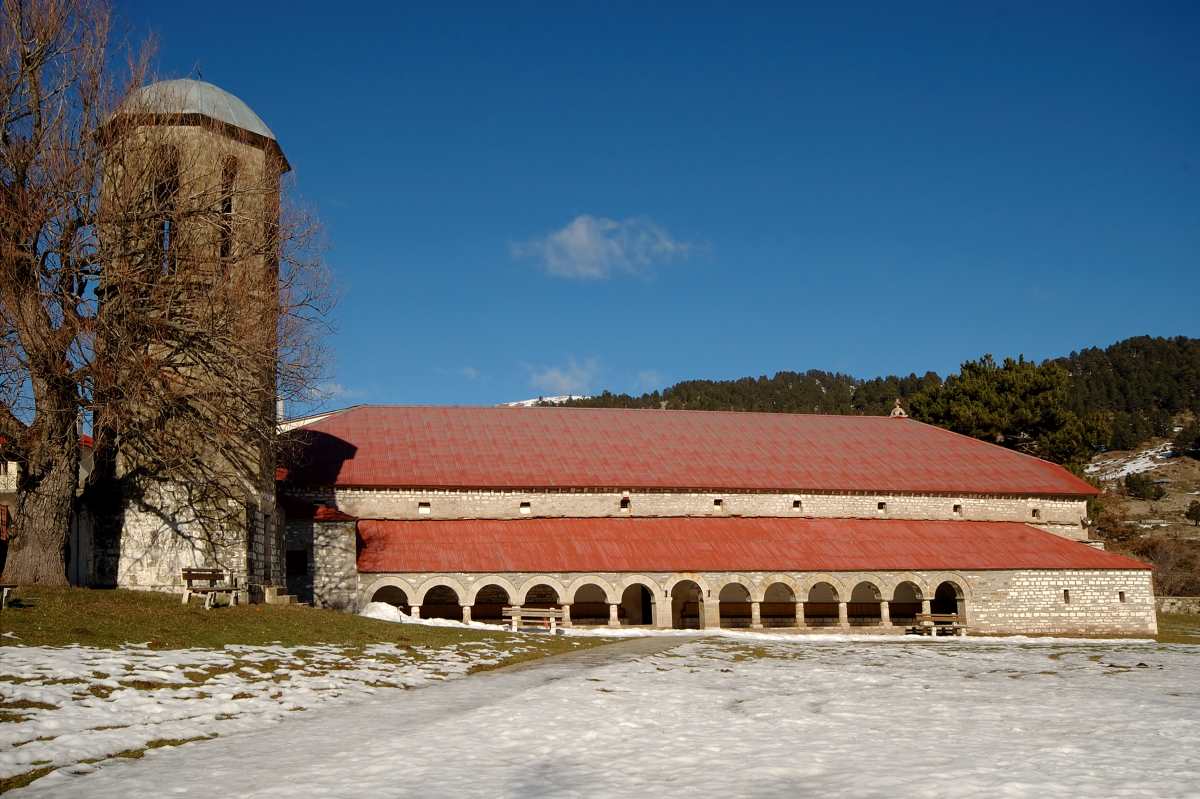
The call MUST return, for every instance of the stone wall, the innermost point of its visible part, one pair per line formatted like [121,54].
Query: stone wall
[1060,516]
[1179,604]
[332,549]
[1108,602]
[161,534]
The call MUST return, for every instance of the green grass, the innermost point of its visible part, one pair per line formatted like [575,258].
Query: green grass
[1178,628]
[109,619]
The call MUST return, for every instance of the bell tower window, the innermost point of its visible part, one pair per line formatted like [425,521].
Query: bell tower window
[228,180]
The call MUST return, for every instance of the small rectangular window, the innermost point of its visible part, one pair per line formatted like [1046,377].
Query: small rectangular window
[796,505]
[881,507]
[423,508]
[1066,597]
[958,510]
[625,504]
[1037,514]
[717,503]
[526,508]
[1121,596]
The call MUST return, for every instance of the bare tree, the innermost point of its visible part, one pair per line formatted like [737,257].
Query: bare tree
[150,286]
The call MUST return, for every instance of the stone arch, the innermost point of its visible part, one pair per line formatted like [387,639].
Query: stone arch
[949,596]
[934,579]
[541,579]
[418,596]
[382,582]
[590,599]
[771,579]
[611,595]
[779,601]
[805,584]
[904,602]
[864,605]
[895,580]
[729,579]
[822,600]
[688,612]
[680,577]
[485,581]
[733,602]
[654,586]
[392,595]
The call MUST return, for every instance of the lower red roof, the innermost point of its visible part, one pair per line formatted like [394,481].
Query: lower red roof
[728,544]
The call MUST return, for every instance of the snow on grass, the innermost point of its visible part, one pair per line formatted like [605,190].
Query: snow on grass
[1119,468]
[60,706]
[719,716]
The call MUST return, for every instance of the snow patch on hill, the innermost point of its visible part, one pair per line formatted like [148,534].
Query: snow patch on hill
[559,400]
[1135,463]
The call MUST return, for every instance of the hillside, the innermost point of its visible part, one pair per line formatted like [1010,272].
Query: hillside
[1064,409]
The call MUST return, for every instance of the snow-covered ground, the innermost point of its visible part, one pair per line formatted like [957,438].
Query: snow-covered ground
[1118,468]
[80,703]
[732,716]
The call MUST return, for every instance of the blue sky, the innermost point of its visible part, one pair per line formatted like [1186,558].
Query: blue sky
[540,198]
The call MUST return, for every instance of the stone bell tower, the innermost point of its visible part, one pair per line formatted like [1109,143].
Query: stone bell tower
[190,225]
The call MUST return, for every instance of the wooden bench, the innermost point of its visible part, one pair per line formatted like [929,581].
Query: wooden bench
[216,583]
[5,590]
[937,624]
[549,616]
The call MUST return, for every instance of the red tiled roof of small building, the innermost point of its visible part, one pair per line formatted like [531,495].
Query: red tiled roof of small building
[718,544]
[577,448]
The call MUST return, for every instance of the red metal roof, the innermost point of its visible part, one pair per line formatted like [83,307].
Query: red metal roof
[457,447]
[728,544]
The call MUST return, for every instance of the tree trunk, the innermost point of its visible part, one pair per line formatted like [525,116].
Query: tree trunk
[37,551]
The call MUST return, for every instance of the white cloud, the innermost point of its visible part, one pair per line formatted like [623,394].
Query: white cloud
[574,378]
[336,391]
[593,248]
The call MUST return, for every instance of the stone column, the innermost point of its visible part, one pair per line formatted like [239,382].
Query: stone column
[710,613]
[926,607]
[662,613]
[843,615]
[566,609]
[885,614]
[800,614]
[614,618]
[756,615]
[415,611]
[466,611]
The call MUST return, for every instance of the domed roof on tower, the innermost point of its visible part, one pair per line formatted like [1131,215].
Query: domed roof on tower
[186,96]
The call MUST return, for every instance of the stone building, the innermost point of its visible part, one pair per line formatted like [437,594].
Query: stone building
[695,519]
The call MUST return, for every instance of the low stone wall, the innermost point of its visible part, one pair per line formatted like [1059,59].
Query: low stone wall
[1179,604]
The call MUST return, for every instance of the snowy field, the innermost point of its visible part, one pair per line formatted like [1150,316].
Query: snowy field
[63,706]
[718,716]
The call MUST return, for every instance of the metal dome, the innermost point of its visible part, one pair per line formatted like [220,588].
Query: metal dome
[186,96]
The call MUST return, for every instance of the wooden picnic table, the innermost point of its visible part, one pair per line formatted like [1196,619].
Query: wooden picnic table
[550,616]
[936,623]
[216,583]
